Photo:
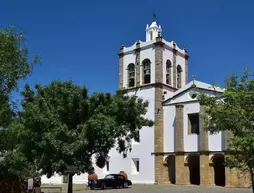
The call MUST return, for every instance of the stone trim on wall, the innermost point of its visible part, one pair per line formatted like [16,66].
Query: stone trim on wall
[203,135]
[186,68]
[160,171]
[182,172]
[174,65]
[179,123]
[158,84]
[206,171]
[137,63]
[121,72]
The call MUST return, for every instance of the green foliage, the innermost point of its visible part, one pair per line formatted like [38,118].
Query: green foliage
[14,66]
[233,112]
[61,127]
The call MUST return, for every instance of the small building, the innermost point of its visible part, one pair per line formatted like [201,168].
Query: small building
[176,149]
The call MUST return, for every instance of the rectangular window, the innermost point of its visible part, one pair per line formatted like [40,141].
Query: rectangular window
[135,165]
[107,165]
[193,123]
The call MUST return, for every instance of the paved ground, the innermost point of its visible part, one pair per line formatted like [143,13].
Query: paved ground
[169,189]
[173,189]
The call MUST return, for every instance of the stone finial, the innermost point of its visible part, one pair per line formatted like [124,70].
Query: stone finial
[122,45]
[159,34]
[185,47]
[193,81]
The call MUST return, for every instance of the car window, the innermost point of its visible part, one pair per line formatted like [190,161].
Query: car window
[120,178]
[111,177]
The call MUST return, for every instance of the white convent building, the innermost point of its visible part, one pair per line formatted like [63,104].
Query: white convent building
[176,149]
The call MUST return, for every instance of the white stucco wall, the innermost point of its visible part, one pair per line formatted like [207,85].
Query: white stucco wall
[169,128]
[215,142]
[55,179]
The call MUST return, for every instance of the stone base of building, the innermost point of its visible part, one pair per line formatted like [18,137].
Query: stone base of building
[195,169]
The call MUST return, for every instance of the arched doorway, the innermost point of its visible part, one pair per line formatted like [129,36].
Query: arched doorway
[171,168]
[219,170]
[194,168]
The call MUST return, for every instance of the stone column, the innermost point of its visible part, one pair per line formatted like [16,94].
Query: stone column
[158,113]
[203,135]
[174,66]
[182,173]
[137,63]
[206,171]
[179,122]
[186,67]
[121,70]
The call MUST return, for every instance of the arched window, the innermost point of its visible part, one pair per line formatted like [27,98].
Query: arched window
[131,75]
[179,76]
[146,71]
[151,35]
[168,72]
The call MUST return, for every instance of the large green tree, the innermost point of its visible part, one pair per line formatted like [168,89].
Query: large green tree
[233,111]
[62,127]
[14,66]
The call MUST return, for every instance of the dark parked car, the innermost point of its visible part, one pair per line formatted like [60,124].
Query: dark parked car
[111,181]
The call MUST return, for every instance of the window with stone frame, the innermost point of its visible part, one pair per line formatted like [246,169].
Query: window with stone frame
[146,71]
[131,75]
[193,123]
[179,76]
[168,72]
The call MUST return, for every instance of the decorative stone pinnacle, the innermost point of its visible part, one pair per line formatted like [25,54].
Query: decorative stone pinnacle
[122,45]
[193,79]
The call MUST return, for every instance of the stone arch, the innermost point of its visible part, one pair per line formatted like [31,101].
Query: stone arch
[193,163]
[170,163]
[179,76]
[168,72]
[146,71]
[131,75]
[218,163]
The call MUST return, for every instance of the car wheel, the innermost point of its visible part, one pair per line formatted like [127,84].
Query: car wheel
[103,186]
[125,185]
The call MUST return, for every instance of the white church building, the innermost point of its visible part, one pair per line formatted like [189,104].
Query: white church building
[176,150]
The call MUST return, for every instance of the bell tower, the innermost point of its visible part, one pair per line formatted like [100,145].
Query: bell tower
[152,70]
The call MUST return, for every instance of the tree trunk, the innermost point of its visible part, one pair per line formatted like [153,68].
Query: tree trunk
[70,183]
[252,178]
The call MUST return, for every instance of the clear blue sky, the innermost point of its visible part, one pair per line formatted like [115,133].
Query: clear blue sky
[80,39]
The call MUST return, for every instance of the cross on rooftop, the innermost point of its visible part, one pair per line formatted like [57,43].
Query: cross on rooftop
[154,16]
